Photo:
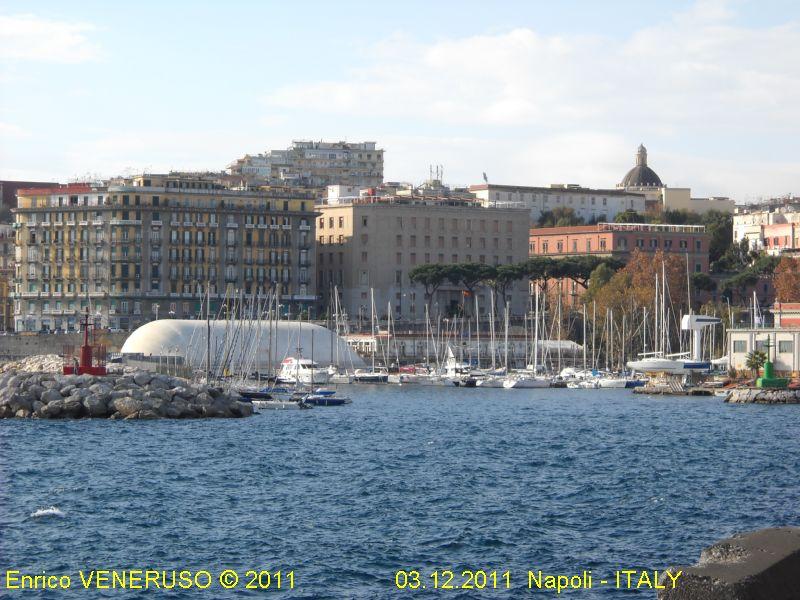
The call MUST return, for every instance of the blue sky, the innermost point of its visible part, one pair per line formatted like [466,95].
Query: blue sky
[529,92]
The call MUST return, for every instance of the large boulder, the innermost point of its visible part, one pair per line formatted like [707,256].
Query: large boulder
[760,565]
[21,401]
[73,407]
[36,390]
[95,405]
[52,410]
[142,377]
[128,406]
[50,395]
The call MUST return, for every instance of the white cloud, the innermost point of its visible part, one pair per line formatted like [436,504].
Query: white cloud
[11,131]
[33,38]
[560,101]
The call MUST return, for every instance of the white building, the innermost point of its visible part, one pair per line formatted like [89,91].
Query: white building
[592,205]
[772,226]
[783,346]
[315,164]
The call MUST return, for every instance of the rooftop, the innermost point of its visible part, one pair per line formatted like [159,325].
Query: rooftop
[600,227]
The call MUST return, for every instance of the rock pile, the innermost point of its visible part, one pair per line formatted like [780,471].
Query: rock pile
[138,395]
[42,363]
[763,396]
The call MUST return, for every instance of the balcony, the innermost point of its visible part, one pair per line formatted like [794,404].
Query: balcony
[274,226]
[304,227]
[249,225]
[286,227]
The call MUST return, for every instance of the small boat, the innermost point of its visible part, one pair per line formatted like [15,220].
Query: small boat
[255,394]
[326,400]
[275,404]
[526,382]
[612,382]
[491,381]
[376,375]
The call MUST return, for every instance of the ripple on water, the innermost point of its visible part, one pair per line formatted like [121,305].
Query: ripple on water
[402,478]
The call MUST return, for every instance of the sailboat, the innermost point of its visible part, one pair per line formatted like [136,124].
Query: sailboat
[373,374]
[529,378]
[681,363]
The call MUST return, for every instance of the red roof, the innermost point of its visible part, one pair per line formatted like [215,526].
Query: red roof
[70,188]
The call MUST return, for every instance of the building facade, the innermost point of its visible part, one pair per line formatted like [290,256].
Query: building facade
[7,259]
[619,240]
[781,343]
[773,227]
[315,164]
[151,246]
[369,245]
[591,205]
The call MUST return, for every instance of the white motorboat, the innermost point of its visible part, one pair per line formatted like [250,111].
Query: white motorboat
[302,371]
[491,381]
[525,382]
[612,382]
[584,384]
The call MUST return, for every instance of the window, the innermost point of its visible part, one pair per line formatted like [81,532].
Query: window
[698,268]
[785,346]
[363,221]
[740,346]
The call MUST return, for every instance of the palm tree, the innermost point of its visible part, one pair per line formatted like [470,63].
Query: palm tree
[755,360]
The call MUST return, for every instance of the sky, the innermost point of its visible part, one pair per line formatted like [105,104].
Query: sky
[529,92]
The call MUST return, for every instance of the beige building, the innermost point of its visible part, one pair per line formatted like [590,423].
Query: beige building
[314,164]
[372,243]
[148,247]
[641,179]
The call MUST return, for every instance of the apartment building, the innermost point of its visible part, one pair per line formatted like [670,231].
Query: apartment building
[150,246]
[591,205]
[7,259]
[370,244]
[315,164]
[772,226]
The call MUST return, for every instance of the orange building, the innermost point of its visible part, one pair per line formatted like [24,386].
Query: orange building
[618,240]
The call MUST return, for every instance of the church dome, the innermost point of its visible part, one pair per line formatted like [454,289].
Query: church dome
[641,175]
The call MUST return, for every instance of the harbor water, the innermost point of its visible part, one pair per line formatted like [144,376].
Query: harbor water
[403,478]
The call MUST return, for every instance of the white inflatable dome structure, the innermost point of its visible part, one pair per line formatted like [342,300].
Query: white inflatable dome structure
[236,345]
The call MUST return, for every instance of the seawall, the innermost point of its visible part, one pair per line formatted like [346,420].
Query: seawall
[15,346]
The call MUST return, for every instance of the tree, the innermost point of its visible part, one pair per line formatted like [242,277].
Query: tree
[629,216]
[755,360]
[504,276]
[429,276]
[559,217]
[470,275]
[719,226]
[703,282]
[787,280]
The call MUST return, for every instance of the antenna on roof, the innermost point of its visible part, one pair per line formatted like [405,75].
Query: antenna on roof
[485,178]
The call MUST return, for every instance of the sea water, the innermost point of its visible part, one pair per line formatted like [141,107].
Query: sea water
[404,478]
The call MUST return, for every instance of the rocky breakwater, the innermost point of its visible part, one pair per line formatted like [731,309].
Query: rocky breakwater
[763,396]
[138,395]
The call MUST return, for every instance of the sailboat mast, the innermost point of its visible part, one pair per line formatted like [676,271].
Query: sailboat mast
[584,337]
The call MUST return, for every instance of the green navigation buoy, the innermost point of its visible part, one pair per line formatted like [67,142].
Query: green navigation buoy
[768,379]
